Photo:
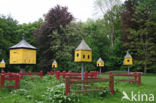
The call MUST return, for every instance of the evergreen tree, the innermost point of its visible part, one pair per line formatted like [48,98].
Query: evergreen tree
[140,33]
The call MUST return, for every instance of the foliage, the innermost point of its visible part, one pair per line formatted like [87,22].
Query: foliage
[139,32]
[56,18]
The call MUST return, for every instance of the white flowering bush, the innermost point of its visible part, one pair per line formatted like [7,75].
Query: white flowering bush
[56,95]
[22,92]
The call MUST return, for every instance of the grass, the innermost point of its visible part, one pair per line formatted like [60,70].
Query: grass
[32,91]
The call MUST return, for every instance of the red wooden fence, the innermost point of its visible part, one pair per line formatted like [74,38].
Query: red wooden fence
[10,77]
[69,81]
[94,74]
[31,73]
[15,77]
[136,79]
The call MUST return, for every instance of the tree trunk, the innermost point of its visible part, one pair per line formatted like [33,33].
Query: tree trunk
[145,68]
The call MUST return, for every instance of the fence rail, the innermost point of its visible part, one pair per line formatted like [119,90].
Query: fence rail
[69,82]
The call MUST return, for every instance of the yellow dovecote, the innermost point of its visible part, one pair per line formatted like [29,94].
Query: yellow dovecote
[2,64]
[22,53]
[54,64]
[100,63]
[128,59]
[83,53]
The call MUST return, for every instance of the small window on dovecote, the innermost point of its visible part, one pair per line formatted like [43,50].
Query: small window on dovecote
[88,56]
[83,56]
[77,54]
[128,60]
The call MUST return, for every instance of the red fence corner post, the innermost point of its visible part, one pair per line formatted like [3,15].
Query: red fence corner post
[111,83]
[41,74]
[67,86]
[139,78]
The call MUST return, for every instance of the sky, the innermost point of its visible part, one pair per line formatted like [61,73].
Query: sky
[25,11]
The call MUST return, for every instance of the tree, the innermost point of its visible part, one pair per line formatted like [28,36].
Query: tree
[110,10]
[139,33]
[56,18]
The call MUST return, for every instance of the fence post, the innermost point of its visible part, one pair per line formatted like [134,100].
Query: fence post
[64,74]
[67,86]
[70,74]
[135,77]
[29,73]
[92,74]
[111,83]
[17,81]
[41,74]
[96,73]
[51,72]
[2,79]
[21,76]
[57,75]
[139,78]
[86,76]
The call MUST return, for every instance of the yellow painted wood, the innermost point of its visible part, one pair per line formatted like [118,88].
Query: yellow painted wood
[128,61]
[100,64]
[54,66]
[83,56]
[22,56]
[2,65]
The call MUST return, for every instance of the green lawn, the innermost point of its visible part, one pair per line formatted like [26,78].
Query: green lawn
[48,89]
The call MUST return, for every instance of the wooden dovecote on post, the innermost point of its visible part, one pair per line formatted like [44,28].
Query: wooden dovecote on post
[54,64]
[83,53]
[2,64]
[128,59]
[100,63]
[22,53]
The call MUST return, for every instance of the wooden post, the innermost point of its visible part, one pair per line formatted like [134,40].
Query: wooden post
[29,73]
[82,75]
[41,74]
[67,86]
[139,78]
[2,79]
[21,76]
[51,72]
[57,75]
[111,83]
[70,74]
[86,76]
[64,74]
[135,76]
[16,81]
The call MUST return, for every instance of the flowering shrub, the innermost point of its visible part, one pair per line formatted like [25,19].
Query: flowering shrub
[56,95]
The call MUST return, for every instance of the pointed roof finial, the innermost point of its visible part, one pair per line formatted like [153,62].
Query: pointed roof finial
[2,62]
[100,60]
[83,46]
[54,62]
[23,44]
[128,55]
[23,36]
